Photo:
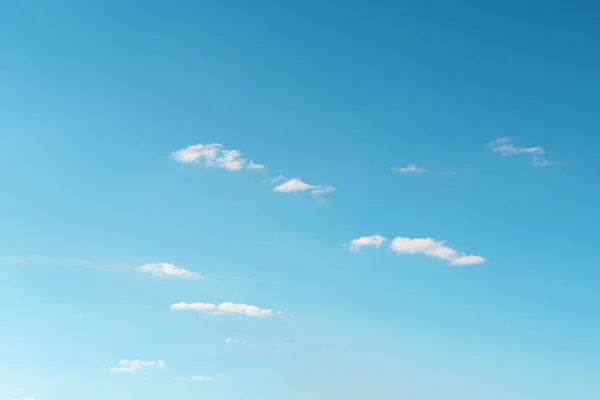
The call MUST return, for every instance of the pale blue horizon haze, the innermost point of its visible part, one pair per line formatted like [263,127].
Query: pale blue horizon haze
[133,266]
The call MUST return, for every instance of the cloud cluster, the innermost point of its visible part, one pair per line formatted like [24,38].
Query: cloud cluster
[505,147]
[366,241]
[226,308]
[425,246]
[409,169]
[166,269]
[130,366]
[215,156]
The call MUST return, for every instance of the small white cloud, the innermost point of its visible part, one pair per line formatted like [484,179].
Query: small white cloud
[370,241]
[296,185]
[410,168]
[195,378]
[505,147]
[130,366]
[215,156]
[234,341]
[166,269]
[432,248]
[226,308]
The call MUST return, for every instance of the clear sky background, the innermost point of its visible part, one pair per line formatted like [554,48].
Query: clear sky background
[95,98]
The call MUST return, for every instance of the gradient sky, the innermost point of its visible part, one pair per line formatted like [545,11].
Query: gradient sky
[360,119]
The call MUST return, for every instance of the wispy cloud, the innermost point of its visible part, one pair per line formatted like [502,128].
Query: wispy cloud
[157,269]
[366,241]
[448,174]
[543,162]
[195,378]
[23,398]
[226,308]
[166,269]
[215,156]
[274,180]
[432,248]
[409,169]
[505,147]
[42,261]
[234,341]
[131,366]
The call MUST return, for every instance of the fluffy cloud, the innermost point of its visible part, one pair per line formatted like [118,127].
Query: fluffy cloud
[410,168]
[195,378]
[370,241]
[131,366]
[505,147]
[166,269]
[226,308]
[432,248]
[214,155]
[426,246]
[296,185]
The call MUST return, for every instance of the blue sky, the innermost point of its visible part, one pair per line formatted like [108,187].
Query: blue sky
[302,178]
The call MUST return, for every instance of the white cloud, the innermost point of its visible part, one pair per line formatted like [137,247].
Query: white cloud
[234,341]
[166,269]
[214,155]
[371,241]
[296,185]
[410,168]
[226,308]
[432,248]
[505,147]
[130,366]
[195,378]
